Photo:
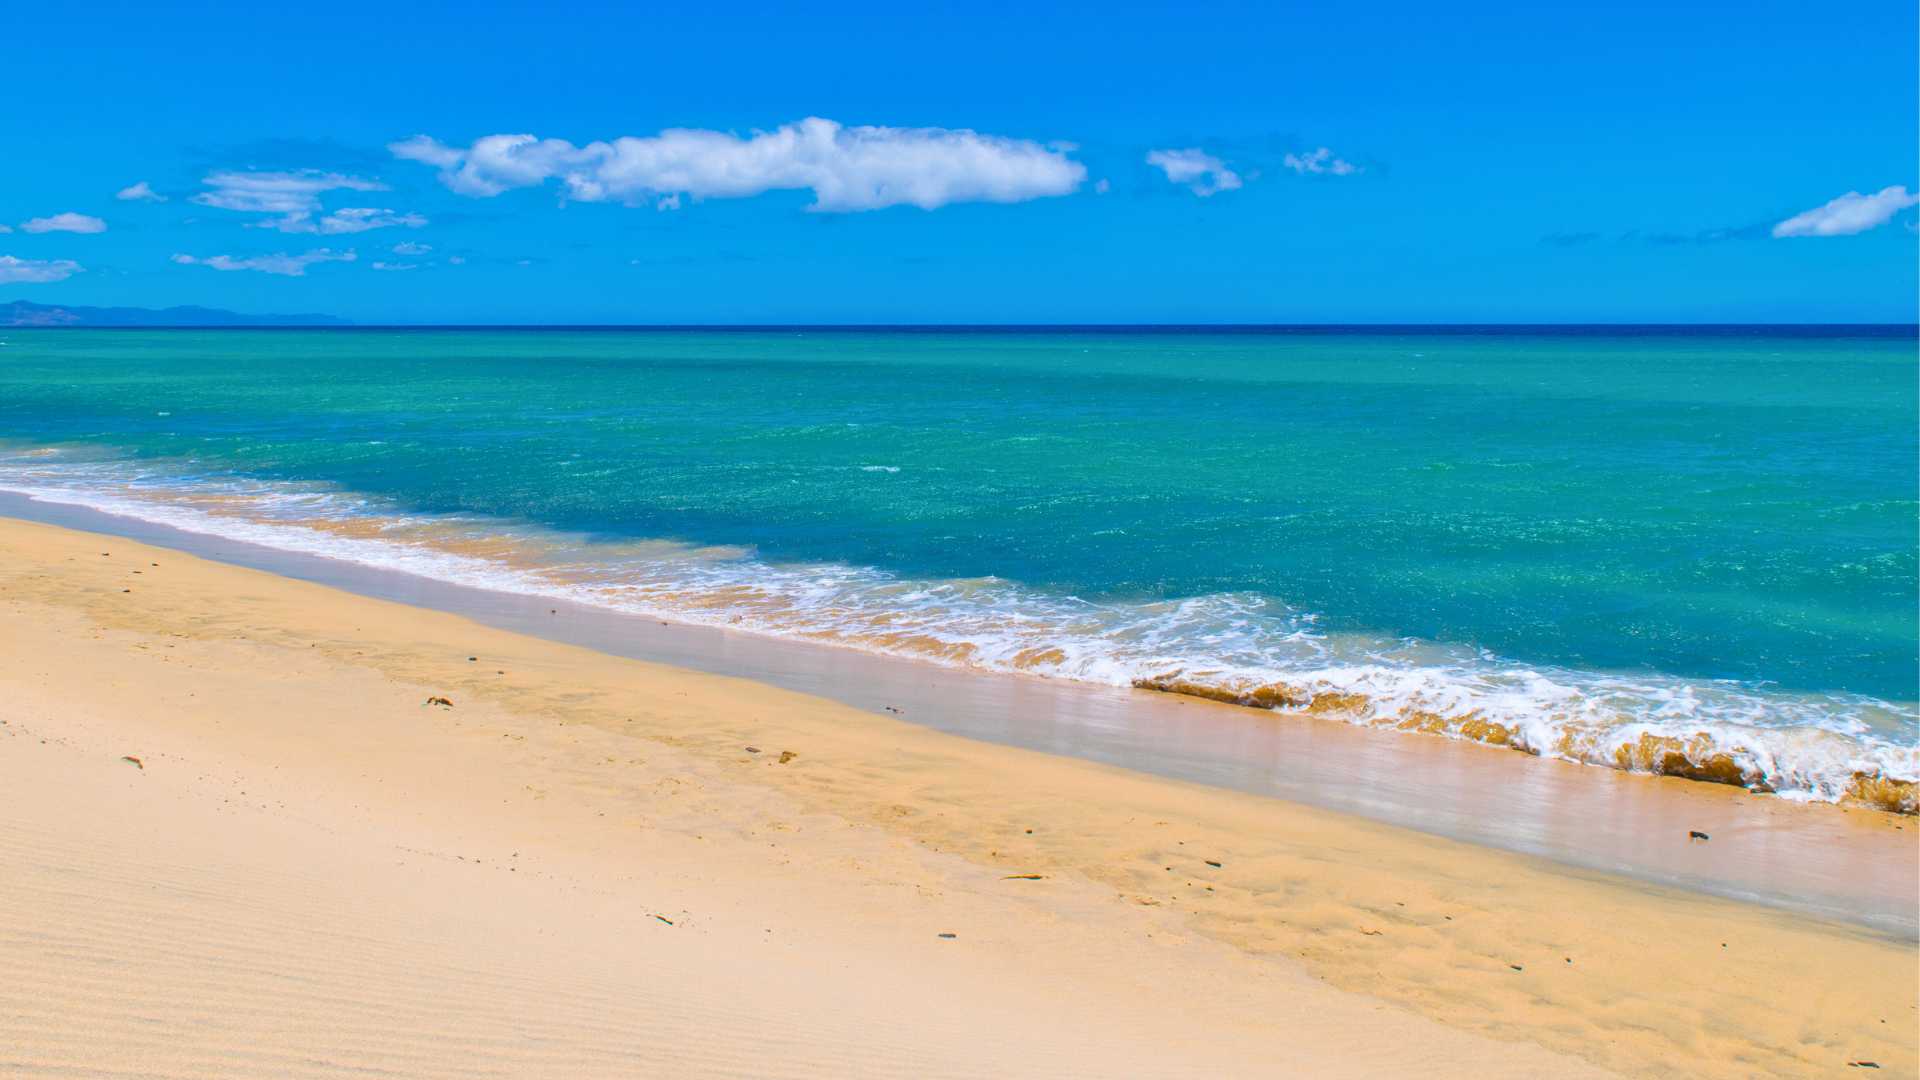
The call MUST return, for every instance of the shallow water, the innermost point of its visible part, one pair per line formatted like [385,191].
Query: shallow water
[1675,551]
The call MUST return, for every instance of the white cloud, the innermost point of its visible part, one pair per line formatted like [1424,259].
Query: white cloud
[408,247]
[1200,171]
[6,228]
[1850,213]
[1318,162]
[1102,186]
[140,192]
[457,260]
[68,222]
[378,265]
[846,168]
[431,151]
[280,263]
[36,271]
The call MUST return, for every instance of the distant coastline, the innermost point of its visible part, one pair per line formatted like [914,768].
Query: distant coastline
[26,314]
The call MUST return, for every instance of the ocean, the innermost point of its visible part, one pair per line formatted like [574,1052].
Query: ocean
[1680,550]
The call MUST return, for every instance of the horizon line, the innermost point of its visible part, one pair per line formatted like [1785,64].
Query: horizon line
[1004,326]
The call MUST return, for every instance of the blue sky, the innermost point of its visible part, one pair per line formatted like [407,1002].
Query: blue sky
[1519,162]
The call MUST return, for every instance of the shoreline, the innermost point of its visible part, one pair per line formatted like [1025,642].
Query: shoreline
[1815,746]
[246,678]
[1592,817]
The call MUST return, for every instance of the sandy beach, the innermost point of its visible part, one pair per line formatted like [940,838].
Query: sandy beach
[255,826]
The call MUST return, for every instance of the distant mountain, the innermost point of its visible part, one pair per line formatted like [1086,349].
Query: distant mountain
[24,313]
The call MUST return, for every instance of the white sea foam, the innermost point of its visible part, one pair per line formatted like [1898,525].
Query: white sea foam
[1808,746]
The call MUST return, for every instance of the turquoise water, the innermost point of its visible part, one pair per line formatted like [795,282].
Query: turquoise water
[1583,536]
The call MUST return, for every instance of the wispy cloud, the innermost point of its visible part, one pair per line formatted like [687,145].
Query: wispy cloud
[68,222]
[1707,236]
[1320,162]
[1195,169]
[408,247]
[36,271]
[378,265]
[280,263]
[140,192]
[1849,214]
[295,197]
[349,220]
[277,192]
[846,168]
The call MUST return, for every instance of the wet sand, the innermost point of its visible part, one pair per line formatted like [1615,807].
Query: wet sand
[587,863]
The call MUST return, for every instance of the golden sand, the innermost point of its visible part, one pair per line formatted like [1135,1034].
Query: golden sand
[321,868]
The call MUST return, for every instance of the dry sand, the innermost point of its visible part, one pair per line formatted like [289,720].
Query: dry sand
[579,869]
